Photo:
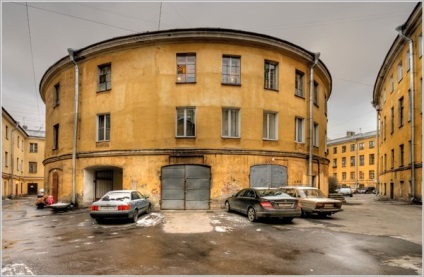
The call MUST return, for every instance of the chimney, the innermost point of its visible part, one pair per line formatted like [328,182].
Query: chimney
[350,134]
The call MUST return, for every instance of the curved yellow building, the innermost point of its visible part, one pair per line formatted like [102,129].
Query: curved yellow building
[186,116]
[398,100]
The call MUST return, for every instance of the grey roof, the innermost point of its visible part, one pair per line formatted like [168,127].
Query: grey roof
[36,133]
[353,137]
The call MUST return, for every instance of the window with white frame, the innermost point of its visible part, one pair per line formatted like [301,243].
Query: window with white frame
[399,72]
[315,137]
[186,122]
[230,123]
[270,126]
[231,69]
[186,68]
[299,84]
[33,147]
[103,127]
[104,77]
[271,75]
[299,130]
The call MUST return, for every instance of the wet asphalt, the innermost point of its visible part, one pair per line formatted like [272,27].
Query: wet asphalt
[368,238]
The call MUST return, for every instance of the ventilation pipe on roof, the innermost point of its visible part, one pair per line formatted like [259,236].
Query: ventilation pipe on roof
[311,119]
[74,148]
[411,82]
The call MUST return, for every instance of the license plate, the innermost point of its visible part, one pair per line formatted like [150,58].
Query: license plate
[329,205]
[284,205]
[107,208]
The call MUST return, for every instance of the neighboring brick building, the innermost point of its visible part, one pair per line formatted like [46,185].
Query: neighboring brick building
[23,155]
[398,100]
[353,160]
[186,116]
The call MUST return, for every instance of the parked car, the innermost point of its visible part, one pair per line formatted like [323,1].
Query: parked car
[120,204]
[264,202]
[313,201]
[346,191]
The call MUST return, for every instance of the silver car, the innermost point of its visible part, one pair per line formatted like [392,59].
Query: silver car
[313,201]
[120,204]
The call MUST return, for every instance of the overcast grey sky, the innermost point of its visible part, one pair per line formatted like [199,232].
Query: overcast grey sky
[352,37]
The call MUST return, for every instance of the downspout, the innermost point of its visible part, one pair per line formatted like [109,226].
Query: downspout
[74,147]
[411,82]
[311,119]
[12,158]
[377,185]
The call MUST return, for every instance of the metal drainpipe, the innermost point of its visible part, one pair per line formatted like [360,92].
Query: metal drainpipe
[74,148]
[377,185]
[12,157]
[411,82]
[311,122]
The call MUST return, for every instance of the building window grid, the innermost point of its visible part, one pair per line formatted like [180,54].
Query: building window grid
[316,94]
[343,175]
[352,147]
[343,161]
[371,174]
[299,84]
[334,163]
[361,146]
[371,159]
[316,135]
[231,123]
[343,149]
[392,84]
[271,75]
[371,144]
[335,150]
[186,122]
[401,109]
[270,126]
[399,72]
[300,130]
[186,68]
[33,147]
[32,167]
[105,77]
[231,68]
[103,127]
[361,160]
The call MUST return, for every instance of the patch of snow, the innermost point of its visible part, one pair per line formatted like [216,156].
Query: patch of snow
[151,219]
[223,229]
[407,262]
[19,269]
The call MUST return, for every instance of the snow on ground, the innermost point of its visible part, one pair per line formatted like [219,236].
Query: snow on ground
[151,219]
[18,269]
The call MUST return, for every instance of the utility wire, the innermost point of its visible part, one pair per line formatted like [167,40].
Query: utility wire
[32,61]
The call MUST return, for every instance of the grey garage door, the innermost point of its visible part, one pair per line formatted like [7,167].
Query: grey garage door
[267,175]
[185,187]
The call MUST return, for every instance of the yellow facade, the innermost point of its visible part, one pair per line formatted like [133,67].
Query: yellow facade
[142,107]
[353,160]
[22,159]
[400,114]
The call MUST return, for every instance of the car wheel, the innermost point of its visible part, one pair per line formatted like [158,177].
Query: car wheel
[303,214]
[227,206]
[251,214]
[287,219]
[135,216]
[149,209]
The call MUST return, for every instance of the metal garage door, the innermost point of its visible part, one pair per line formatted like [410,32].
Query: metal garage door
[267,175]
[185,187]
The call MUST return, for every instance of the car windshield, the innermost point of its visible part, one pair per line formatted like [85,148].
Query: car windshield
[270,192]
[116,196]
[312,193]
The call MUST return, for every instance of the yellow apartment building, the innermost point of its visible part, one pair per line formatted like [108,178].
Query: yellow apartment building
[397,98]
[23,155]
[353,160]
[187,116]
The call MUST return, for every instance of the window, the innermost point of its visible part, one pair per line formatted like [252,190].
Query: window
[371,174]
[315,137]
[361,160]
[315,93]
[392,118]
[33,147]
[361,175]
[352,147]
[103,127]
[299,84]
[18,141]
[399,72]
[32,167]
[6,159]
[186,68]
[334,163]
[352,175]
[231,123]
[385,162]
[56,95]
[343,175]
[7,132]
[334,150]
[384,127]
[344,162]
[299,132]
[401,108]
[17,164]
[186,122]
[105,72]
[371,144]
[231,70]
[271,75]
[361,146]
[392,84]
[401,154]
[392,165]
[56,137]
[270,126]
[352,161]
[344,149]
[371,159]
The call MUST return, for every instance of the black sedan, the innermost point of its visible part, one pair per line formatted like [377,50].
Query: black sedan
[264,202]
[120,204]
